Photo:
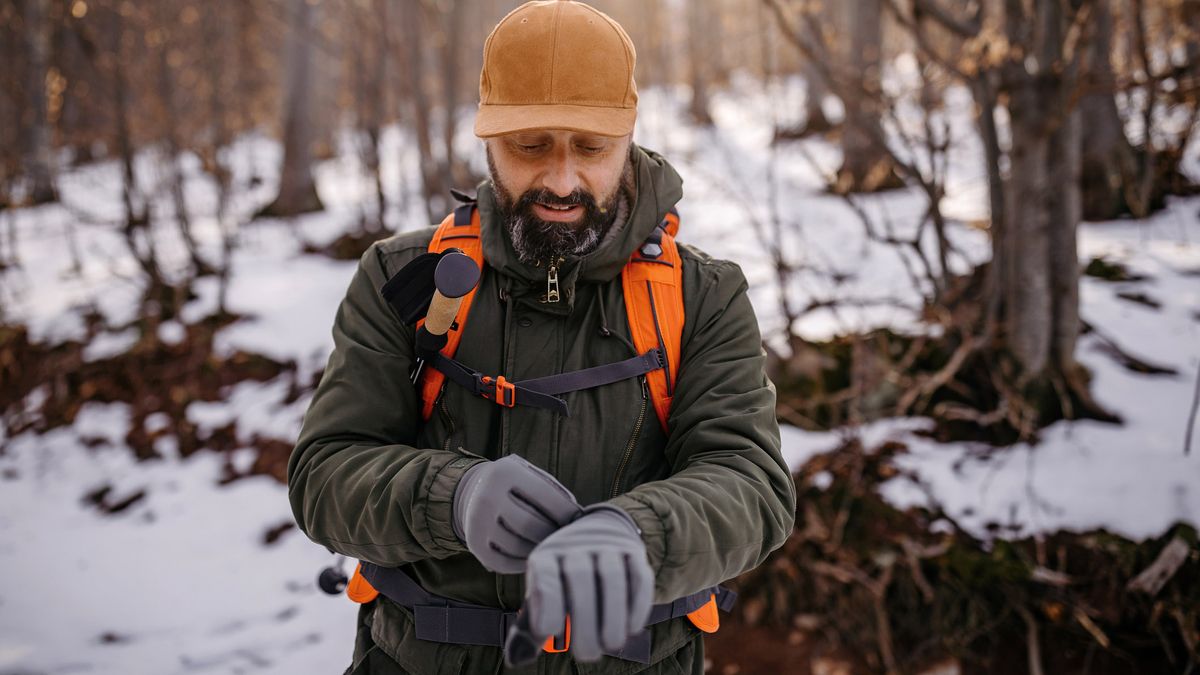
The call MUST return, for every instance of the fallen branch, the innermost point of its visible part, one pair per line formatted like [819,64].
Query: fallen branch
[1091,627]
[940,378]
[914,553]
[1169,560]
[1031,640]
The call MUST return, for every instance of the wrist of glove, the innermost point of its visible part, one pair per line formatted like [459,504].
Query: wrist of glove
[504,508]
[595,570]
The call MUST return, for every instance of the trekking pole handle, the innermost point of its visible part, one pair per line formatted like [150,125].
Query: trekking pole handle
[442,311]
[521,646]
[455,277]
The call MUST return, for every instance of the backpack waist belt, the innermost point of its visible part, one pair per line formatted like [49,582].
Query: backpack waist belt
[440,619]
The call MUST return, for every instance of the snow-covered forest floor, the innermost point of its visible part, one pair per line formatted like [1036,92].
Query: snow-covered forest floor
[188,564]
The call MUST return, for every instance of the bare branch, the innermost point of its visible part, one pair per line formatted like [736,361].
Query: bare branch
[1151,580]
[966,28]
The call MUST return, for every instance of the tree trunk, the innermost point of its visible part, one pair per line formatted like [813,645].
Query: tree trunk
[215,67]
[1042,202]
[1027,298]
[247,78]
[379,105]
[984,92]
[297,190]
[433,189]
[39,150]
[816,90]
[1108,159]
[455,171]
[698,71]
[136,223]
[866,166]
[166,92]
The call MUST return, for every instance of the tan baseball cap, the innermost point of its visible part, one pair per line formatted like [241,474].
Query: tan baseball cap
[557,64]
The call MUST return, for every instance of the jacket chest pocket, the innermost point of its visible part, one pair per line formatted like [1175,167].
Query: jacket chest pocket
[611,443]
[635,435]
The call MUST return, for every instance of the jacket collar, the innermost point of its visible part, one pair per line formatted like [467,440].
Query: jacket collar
[658,188]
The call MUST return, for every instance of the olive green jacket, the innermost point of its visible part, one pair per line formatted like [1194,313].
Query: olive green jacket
[368,479]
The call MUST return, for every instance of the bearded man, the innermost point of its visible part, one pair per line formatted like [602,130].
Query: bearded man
[598,503]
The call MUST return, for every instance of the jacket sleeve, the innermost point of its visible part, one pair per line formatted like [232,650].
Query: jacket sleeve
[356,483]
[730,499]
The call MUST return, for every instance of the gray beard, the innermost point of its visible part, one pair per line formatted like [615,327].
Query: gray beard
[534,243]
[538,243]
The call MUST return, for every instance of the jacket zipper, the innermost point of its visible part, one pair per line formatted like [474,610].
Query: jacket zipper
[633,439]
[552,284]
[552,292]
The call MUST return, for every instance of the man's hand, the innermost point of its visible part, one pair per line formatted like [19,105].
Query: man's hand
[503,509]
[595,570]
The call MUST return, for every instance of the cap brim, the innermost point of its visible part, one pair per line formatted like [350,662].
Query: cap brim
[497,120]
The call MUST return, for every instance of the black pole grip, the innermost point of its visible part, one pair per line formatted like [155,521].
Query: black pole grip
[521,647]
[332,580]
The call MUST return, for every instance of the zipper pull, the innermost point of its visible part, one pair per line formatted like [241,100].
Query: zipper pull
[552,284]
[645,388]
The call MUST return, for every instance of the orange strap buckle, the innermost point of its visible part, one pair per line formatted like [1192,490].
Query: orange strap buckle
[706,618]
[552,644]
[359,589]
[505,393]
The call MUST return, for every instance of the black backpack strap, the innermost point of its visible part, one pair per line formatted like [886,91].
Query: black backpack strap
[495,389]
[462,214]
[542,392]
[596,376]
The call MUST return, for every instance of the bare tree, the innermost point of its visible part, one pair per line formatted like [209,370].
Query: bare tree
[1108,157]
[38,155]
[853,72]
[174,144]
[816,90]
[1042,199]
[1120,177]
[866,164]
[369,57]
[297,189]
[433,187]
[454,171]
[699,23]
[1030,303]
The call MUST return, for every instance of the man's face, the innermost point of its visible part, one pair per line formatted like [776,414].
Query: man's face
[557,190]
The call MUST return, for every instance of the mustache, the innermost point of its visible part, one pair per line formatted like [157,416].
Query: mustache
[578,197]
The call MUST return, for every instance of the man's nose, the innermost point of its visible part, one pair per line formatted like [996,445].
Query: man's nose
[561,177]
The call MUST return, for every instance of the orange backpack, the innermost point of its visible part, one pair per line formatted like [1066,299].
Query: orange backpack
[652,282]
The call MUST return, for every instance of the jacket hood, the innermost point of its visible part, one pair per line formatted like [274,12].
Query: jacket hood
[658,188]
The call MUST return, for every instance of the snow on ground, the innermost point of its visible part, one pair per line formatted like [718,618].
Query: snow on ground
[1133,479]
[181,581]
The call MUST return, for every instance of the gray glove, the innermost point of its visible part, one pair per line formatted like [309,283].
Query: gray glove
[595,570]
[502,509]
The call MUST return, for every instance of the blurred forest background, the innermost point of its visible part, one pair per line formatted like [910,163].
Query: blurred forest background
[971,228]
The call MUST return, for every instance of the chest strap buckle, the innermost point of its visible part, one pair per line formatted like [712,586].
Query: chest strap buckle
[504,393]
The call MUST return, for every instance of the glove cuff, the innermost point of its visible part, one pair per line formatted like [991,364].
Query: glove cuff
[465,486]
[614,513]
